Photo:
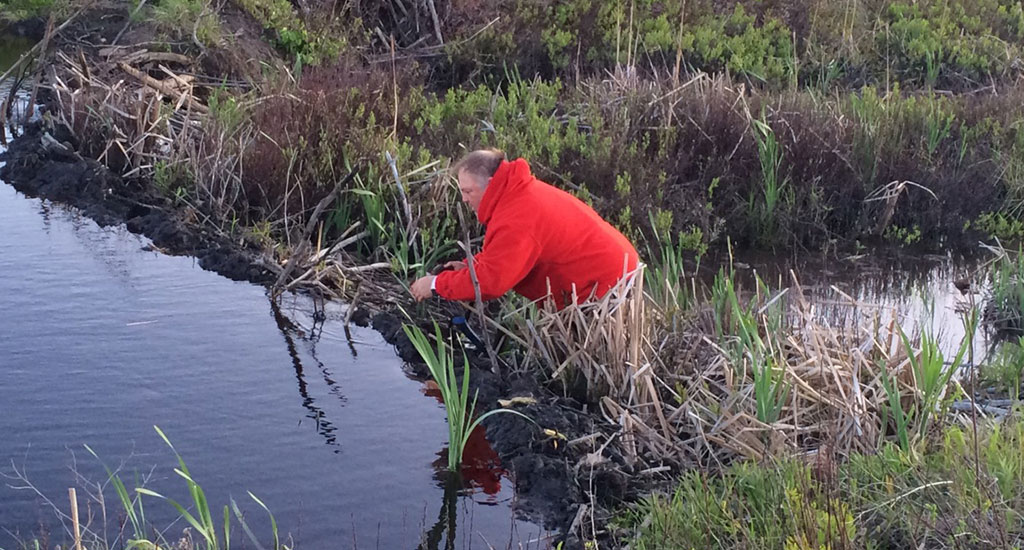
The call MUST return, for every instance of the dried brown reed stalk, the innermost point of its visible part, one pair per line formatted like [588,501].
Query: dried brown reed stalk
[145,127]
[888,195]
[687,398]
[598,340]
[137,122]
[605,346]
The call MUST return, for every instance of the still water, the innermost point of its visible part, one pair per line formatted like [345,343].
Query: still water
[103,339]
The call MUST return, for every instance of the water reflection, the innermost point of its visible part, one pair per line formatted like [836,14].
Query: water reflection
[290,331]
[11,48]
[14,104]
[481,470]
[445,526]
[922,292]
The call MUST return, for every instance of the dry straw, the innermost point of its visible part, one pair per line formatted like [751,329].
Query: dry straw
[688,397]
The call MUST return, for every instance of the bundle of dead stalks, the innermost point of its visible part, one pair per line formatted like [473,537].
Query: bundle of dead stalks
[139,112]
[690,398]
[598,344]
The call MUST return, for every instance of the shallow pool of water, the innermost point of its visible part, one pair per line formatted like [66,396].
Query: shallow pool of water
[11,48]
[103,339]
[923,292]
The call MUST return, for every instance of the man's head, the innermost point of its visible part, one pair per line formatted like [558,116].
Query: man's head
[474,172]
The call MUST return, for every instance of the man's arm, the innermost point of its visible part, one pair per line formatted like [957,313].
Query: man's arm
[507,257]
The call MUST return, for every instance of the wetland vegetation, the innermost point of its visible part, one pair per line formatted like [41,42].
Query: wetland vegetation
[317,136]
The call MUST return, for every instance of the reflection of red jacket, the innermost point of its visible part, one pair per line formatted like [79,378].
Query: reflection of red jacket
[539,235]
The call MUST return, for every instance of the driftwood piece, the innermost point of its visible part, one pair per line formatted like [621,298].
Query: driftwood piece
[437,24]
[163,87]
[159,57]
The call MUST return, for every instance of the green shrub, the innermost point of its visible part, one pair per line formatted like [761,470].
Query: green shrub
[16,10]
[292,35]
[930,495]
[178,18]
[951,42]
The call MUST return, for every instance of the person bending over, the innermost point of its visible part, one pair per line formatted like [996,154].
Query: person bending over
[540,241]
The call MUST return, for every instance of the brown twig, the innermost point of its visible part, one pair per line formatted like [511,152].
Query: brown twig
[163,88]
[480,312]
[307,231]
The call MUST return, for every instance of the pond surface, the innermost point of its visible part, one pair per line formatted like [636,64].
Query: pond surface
[104,339]
[11,48]
[918,290]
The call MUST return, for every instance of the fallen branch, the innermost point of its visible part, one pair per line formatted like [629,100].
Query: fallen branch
[294,261]
[163,87]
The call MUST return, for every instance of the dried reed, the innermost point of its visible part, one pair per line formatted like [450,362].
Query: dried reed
[688,398]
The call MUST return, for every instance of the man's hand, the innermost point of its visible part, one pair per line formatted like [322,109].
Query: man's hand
[420,289]
[456,265]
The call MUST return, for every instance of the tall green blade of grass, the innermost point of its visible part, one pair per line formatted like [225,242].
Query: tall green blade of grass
[456,399]
[202,521]
[931,374]
[132,506]
[770,386]
[273,521]
[895,407]
[245,526]
[772,186]
[191,519]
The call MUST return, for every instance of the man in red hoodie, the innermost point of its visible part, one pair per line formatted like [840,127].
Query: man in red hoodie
[541,241]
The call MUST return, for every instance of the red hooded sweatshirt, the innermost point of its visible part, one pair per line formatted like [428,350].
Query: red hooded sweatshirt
[538,235]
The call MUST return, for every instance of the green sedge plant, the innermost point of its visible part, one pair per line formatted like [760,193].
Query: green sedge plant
[771,390]
[455,394]
[932,376]
[202,520]
[931,373]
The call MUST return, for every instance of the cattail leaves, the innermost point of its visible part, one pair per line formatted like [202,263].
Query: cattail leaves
[454,393]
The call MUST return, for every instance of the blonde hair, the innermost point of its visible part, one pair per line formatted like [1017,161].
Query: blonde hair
[481,164]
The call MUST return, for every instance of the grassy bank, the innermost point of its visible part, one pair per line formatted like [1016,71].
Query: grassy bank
[949,492]
[773,125]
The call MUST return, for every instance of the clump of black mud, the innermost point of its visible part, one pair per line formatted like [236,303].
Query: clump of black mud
[44,163]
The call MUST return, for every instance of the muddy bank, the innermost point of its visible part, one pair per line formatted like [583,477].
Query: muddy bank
[43,163]
[553,478]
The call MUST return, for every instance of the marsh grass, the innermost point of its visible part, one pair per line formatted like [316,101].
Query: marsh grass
[1004,310]
[925,496]
[750,375]
[594,348]
[461,412]
[194,19]
[931,376]
[201,518]
[1005,370]
[768,209]
[131,524]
